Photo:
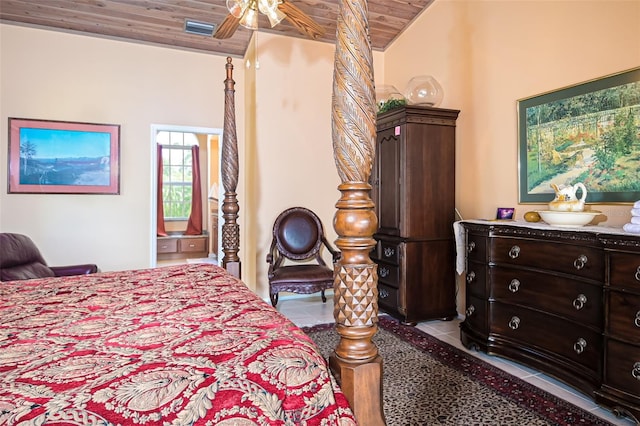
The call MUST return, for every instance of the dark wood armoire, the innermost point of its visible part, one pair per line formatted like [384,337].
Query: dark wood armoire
[413,188]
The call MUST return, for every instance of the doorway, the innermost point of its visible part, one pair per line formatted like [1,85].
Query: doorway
[176,247]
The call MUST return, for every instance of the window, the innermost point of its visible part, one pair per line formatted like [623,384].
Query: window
[176,173]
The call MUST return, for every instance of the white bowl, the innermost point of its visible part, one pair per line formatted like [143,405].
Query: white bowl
[567,219]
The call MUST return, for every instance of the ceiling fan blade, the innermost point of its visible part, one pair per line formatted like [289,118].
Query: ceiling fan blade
[301,20]
[227,28]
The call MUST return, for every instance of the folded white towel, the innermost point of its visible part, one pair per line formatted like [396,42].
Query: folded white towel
[631,227]
[636,205]
[461,250]
[635,219]
[635,212]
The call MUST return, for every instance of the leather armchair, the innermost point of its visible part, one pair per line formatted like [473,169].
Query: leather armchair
[20,259]
[295,259]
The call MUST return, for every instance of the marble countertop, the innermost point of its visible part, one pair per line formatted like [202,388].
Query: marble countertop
[458,231]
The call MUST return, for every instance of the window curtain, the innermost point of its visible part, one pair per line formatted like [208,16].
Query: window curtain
[194,227]
[160,230]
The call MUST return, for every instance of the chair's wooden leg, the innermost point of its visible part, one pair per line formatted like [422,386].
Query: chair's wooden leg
[274,299]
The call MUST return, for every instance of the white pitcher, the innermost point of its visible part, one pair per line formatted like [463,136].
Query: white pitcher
[566,200]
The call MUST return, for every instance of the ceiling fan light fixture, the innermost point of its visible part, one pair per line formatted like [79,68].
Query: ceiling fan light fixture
[250,18]
[270,8]
[237,8]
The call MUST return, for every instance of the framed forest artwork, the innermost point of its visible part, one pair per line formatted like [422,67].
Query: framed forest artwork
[588,133]
[63,157]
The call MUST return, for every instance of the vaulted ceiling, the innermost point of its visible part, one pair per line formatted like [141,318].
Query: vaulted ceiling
[162,22]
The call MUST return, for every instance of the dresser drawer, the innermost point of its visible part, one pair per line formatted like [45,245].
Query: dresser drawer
[624,271]
[476,247]
[476,314]
[389,274]
[573,299]
[167,245]
[582,261]
[622,367]
[192,244]
[387,297]
[532,329]
[476,279]
[624,316]
[390,252]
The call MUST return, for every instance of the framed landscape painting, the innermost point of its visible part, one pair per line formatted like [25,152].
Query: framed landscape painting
[587,133]
[61,157]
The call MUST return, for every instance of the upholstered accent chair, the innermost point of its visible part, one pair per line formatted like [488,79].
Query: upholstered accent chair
[20,259]
[295,257]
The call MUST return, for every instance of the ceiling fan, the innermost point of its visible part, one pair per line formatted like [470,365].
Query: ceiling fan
[245,13]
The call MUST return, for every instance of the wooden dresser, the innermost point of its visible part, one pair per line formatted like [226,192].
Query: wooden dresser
[564,301]
[413,188]
[182,247]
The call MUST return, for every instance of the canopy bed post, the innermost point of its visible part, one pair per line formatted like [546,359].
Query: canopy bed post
[229,171]
[355,361]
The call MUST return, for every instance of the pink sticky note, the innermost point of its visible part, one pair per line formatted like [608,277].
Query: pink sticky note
[397,131]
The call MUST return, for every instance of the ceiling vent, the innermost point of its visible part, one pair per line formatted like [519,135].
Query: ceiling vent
[198,28]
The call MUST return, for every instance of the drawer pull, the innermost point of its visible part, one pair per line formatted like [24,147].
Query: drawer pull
[636,370]
[580,346]
[637,275]
[514,323]
[514,252]
[384,272]
[383,294]
[389,251]
[470,310]
[637,320]
[514,285]
[580,262]
[191,245]
[472,246]
[579,302]
[471,277]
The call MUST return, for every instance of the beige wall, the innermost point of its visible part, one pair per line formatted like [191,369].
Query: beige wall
[293,150]
[486,54]
[60,76]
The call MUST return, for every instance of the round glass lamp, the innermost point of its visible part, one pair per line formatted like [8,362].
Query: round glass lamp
[424,90]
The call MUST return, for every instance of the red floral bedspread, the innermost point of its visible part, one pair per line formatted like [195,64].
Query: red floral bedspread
[178,345]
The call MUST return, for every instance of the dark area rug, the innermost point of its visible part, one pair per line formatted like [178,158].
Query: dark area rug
[429,382]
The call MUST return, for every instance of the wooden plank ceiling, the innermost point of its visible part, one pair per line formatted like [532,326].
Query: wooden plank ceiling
[162,22]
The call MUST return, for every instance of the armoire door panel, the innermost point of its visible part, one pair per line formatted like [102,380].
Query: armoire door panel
[429,171]
[388,146]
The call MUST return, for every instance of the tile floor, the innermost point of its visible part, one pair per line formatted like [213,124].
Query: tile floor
[309,310]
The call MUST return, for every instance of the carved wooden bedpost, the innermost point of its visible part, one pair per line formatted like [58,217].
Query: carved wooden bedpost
[229,171]
[355,361]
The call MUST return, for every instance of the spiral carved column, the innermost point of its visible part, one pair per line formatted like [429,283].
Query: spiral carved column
[355,361]
[229,171]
